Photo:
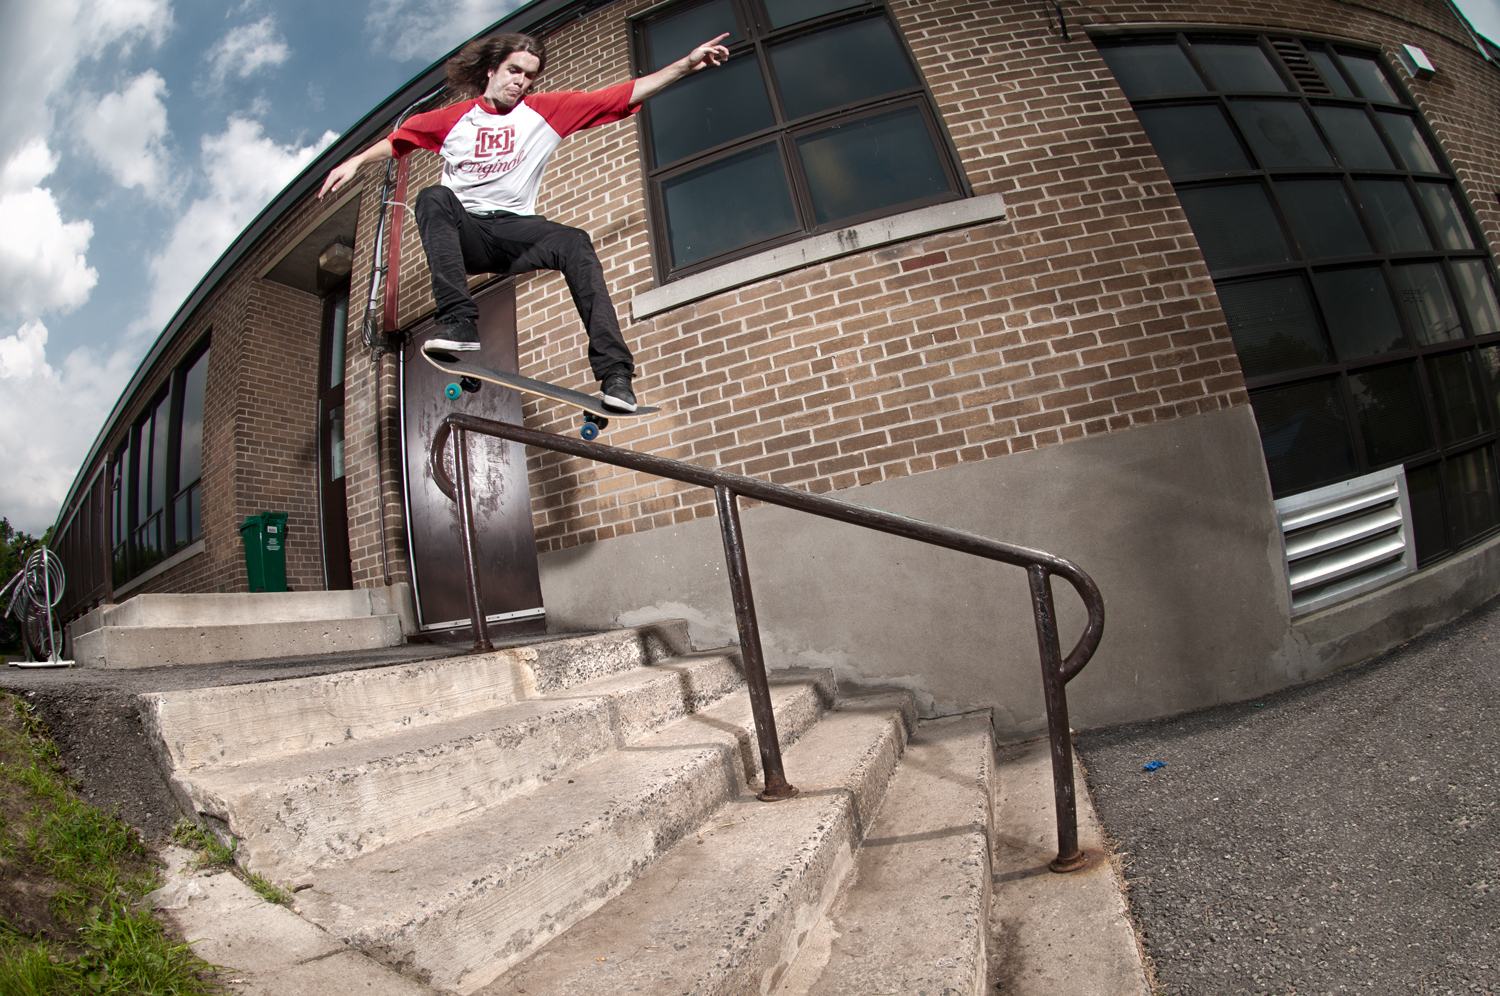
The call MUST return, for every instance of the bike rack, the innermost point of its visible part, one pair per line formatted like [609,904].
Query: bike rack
[1057,670]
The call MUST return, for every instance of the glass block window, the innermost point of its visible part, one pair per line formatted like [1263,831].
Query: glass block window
[1358,289]
[819,120]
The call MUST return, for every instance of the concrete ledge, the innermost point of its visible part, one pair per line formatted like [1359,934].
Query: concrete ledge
[156,646]
[818,249]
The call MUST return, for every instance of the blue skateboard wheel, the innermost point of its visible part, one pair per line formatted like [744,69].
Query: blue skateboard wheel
[589,430]
[453,391]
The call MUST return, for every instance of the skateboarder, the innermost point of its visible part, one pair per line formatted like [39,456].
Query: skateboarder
[482,217]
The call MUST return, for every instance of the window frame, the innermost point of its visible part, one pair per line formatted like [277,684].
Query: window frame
[756,39]
[129,556]
[1439,453]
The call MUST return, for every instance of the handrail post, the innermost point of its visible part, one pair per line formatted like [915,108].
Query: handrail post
[466,535]
[777,787]
[1069,857]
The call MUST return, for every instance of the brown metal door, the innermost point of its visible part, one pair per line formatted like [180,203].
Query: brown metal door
[502,497]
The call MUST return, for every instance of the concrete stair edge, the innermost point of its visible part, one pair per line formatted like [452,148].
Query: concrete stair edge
[549,869]
[157,646]
[226,608]
[726,911]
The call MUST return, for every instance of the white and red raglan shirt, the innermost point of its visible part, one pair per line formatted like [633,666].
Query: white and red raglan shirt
[494,160]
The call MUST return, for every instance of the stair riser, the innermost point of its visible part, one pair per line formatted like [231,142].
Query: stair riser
[247,724]
[244,724]
[462,941]
[156,646]
[291,828]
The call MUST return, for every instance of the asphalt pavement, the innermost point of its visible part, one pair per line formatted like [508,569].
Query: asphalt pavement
[1338,837]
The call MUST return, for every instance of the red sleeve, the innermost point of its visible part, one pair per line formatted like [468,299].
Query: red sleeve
[568,111]
[427,131]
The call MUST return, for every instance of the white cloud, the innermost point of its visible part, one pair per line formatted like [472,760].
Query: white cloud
[42,43]
[245,169]
[42,264]
[126,132]
[246,49]
[427,29]
[40,461]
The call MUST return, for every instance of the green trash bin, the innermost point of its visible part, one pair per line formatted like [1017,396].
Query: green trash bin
[265,550]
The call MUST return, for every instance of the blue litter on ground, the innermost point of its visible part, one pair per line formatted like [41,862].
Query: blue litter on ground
[1153,765]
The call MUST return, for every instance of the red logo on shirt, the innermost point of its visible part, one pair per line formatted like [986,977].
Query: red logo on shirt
[494,142]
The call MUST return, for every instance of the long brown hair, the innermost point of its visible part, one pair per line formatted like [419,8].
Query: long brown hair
[469,70]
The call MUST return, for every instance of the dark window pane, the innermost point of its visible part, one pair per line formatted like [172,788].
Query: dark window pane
[1280,133]
[673,37]
[1330,72]
[1323,218]
[1234,225]
[1455,395]
[1238,67]
[1152,70]
[871,163]
[190,456]
[336,443]
[340,333]
[1193,140]
[784,12]
[840,65]
[1392,212]
[1304,434]
[1357,306]
[1426,495]
[1409,142]
[708,109]
[1442,211]
[161,422]
[1473,505]
[1388,403]
[1354,138]
[1422,294]
[195,510]
[140,471]
[730,202]
[182,521]
[1273,325]
[1489,362]
[1369,77]
[1477,290]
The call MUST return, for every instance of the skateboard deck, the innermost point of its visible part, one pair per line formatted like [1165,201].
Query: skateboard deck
[596,414]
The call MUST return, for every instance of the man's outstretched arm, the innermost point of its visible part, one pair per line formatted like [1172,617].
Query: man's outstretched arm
[344,171]
[710,53]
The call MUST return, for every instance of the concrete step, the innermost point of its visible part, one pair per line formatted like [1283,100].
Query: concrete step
[727,910]
[456,907]
[308,811]
[158,646]
[248,724]
[231,609]
[914,916]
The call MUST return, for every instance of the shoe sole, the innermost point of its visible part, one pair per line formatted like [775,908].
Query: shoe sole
[617,405]
[450,346]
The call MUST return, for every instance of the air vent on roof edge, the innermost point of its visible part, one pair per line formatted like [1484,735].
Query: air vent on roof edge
[1346,539]
[1301,66]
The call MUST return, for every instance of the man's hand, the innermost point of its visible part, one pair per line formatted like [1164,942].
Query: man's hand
[710,53]
[344,171]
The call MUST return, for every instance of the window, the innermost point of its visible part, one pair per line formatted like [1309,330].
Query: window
[1359,294]
[819,120]
[155,506]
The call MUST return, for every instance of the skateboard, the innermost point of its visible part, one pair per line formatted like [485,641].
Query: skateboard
[595,415]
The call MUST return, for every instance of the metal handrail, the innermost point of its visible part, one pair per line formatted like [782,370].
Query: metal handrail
[1057,670]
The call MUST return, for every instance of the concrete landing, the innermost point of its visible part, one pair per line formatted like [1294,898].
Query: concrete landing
[156,630]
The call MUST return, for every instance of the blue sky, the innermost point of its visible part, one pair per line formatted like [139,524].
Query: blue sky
[137,137]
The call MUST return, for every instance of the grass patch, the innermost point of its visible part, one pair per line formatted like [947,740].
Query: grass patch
[213,854]
[72,921]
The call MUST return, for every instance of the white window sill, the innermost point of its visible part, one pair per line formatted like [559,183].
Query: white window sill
[818,249]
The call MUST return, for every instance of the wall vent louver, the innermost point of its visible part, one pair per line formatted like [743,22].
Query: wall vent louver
[1346,539]
[1301,67]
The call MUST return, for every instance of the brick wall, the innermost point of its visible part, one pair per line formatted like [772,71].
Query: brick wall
[1088,310]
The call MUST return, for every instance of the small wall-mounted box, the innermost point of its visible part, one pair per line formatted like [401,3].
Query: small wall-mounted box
[1416,62]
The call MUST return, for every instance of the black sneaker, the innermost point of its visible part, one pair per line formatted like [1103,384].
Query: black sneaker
[616,392]
[459,337]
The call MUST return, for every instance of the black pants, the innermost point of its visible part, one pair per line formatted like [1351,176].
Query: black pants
[459,243]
